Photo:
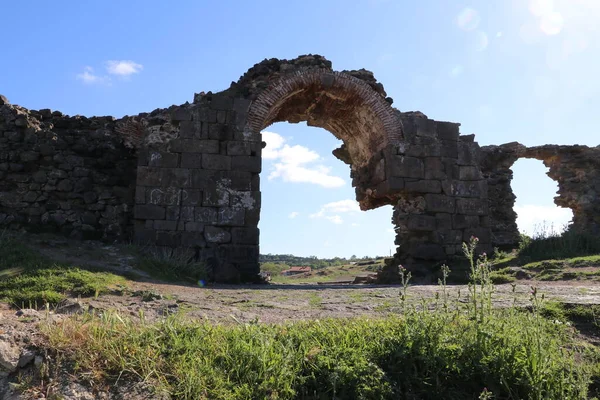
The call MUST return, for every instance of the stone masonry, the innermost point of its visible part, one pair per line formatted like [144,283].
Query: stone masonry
[189,175]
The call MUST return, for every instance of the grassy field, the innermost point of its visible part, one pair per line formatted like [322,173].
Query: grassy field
[439,347]
[28,280]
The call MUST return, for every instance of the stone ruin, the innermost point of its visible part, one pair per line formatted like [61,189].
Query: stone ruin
[189,175]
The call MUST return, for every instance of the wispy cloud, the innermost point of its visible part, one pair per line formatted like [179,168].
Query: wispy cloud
[293,214]
[331,211]
[297,164]
[123,67]
[89,77]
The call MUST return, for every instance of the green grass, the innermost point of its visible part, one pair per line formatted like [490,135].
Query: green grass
[550,244]
[421,355]
[324,275]
[29,280]
[444,349]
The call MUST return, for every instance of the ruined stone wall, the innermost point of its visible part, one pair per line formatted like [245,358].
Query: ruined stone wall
[576,169]
[72,175]
[189,175]
[443,196]
[201,188]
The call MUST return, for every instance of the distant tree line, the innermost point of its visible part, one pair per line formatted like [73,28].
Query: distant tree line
[282,261]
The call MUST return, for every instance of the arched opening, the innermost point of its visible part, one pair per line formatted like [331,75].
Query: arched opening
[538,215]
[362,124]
[309,210]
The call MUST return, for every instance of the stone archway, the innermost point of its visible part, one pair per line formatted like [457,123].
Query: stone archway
[342,104]
[201,186]
[574,168]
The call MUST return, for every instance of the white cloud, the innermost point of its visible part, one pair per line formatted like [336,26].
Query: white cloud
[336,219]
[355,224]
[297,163]
[88,77]
[293,214]
[123,67]
[533,219]
[331,210]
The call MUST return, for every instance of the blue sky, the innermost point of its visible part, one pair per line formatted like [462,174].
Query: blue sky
[507,70]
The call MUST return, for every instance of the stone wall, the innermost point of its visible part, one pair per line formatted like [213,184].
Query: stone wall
[72,175]
[189,175]
[576,169]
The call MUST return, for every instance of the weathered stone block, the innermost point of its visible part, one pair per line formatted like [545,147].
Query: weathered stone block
[429,251]
[469,189]
[165,225]
[149,211]
[221,102]
[237,253]
[140,195]
[419,222]
[192,239]
[421,150]
[163,159]
[439,203]
[245,235]
[230,216]
[243,148]
[187,213]
[215,197]
[249,200]
[172,213]
[216,161]
[443,221]
[252,217]
[434,168]
[241,106]
[469,173]
[206,215]
[194,227]
[194,146]
[145,236]
[426,127]
[471,206]
[460,221]
[449,149]
[246,163]
[189,129]
[168,238]
[213,234]
[191,160]
[390,186]
[191,197]
[170,196]
[205,178]
[406,167]
[181,114]
[163,177]
[448,130]
[467,153]
[219,132]
[423,186]
[241,180]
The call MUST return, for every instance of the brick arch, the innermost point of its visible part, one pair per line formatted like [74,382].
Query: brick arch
[342,104]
